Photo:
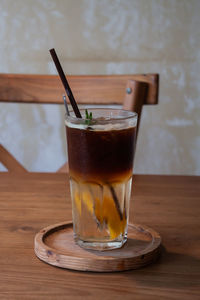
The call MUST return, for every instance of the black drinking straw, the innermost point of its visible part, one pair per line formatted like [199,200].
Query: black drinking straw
[77,112]
[65,83]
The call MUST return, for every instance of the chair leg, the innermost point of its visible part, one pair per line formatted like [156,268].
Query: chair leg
[64,168]
[10,162]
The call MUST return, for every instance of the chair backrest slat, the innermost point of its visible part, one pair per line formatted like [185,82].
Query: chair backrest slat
[95,89]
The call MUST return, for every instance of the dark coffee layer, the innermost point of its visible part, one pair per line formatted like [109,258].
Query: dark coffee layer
[100,155]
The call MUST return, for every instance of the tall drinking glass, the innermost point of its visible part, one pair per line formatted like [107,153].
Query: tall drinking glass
[100,155]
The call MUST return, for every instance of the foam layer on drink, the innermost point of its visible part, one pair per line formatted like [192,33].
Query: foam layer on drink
[96,125]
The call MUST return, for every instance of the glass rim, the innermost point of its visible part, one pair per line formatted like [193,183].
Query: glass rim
[129,115]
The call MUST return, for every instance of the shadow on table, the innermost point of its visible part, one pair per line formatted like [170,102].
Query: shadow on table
[171,270]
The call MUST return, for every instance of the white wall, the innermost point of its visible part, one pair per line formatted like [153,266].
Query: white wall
[106,37]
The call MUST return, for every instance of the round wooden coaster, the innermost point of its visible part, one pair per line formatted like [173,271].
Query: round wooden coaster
[55,245]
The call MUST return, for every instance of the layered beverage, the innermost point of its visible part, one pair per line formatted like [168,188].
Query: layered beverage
[100,155]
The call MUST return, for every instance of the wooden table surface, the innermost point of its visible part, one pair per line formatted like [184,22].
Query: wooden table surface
[169,204]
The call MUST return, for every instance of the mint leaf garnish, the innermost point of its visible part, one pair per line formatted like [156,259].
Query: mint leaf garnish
[88,118]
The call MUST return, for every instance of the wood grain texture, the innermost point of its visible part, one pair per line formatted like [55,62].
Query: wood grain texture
[169,204]
[87,89]
[55,245]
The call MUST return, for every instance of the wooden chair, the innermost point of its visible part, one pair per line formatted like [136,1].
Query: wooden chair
[131,91]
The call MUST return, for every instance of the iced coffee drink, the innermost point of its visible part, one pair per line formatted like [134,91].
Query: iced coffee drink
[100,155]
